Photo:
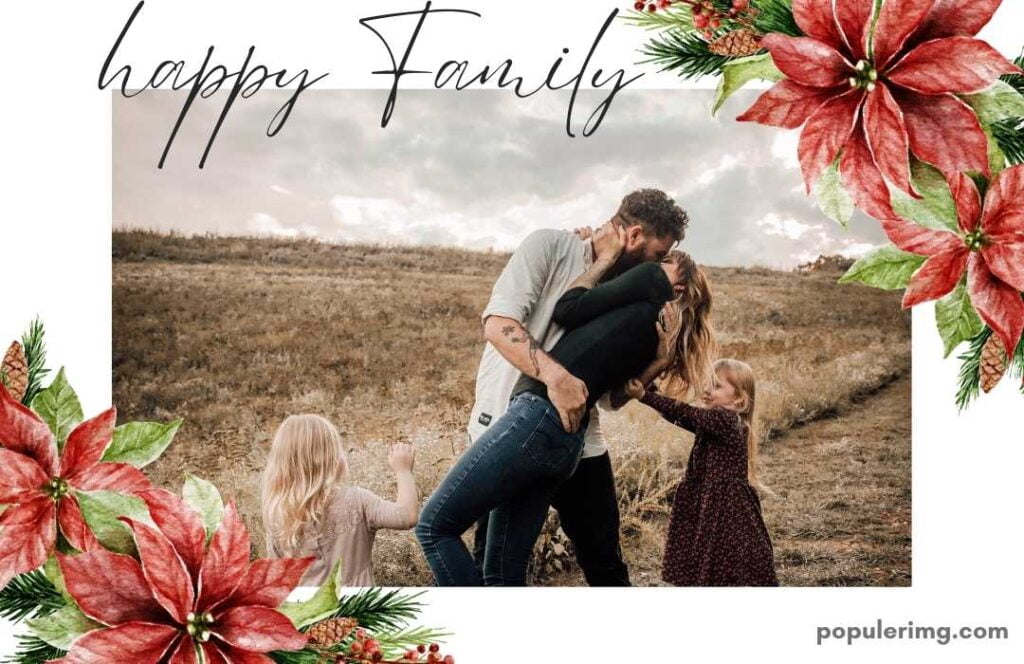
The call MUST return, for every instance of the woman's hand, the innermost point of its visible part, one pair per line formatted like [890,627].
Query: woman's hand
[609,242]
[669,326]
[402,457]
[634,389]
[584,232]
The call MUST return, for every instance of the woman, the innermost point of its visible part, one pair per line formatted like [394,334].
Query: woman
[513,469]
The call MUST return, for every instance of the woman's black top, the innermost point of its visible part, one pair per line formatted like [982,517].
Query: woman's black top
[611,335]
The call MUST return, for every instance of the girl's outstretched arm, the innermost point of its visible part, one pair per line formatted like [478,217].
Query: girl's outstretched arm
[715,421]
[405,511]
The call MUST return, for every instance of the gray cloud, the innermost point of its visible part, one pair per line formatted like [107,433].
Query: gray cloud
[478,169]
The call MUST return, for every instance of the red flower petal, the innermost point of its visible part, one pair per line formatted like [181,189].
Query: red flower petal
[164,570]
[854,17]
[817,20]
[213,654]
[139,642]
[826,132]
[184,653]
[1006,261]
[919,240]
[72,525]
[23,432]
[788,104]
[887,137]
[226,561]
[239,656]
[21,479]
[953,64]
[110,587]
[897,20]
[269,581]
[998,304]
[180,524]
[1004,203]
[968,201]
[807,61]
[110,477]
[86,443]
[259,629]
[957,17]
[27,534]
[936,278]
[862,179]
[945,132]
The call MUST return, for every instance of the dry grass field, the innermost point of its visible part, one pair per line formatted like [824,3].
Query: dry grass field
[233,334]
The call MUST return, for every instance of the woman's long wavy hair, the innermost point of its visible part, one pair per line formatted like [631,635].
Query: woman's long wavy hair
[305,465]
[696,346]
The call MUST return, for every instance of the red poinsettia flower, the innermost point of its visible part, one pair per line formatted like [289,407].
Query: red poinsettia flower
[874,94]
[184,603]
[989,247]
[37,482]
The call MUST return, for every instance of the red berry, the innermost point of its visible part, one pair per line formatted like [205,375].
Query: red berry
[638,5]
[421,648]
[434,647]
[652,8]
[448,659]
[697,9]
[701,21]
[356,647]
[715,23]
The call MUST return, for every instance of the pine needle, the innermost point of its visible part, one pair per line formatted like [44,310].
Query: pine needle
[1016,80]
[375,609]
[32,650]
[776,16]
[1009,135]
[34,345]
[29,595]
[684,53]
[970,371]
[678,16]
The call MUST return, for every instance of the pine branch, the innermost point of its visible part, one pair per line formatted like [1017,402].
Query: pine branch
[1016,80]
[775,16]
[305,656]
[32,650]
[970,371]
[29,595]
[686,54]
[1009,135]
[34,346]
[397,643]
[678,16]
[375,609]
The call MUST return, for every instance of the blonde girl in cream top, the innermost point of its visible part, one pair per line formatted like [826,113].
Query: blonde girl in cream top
[310,510]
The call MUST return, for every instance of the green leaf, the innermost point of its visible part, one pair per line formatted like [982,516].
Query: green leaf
[999,102]
[936,208]
[956,319]
[52,571]
[996,156]
[741,71]
[62,627]
[101,510]
[59,407]
[318,607]
[140,443]
[885,267]
[204,498]
[833,199]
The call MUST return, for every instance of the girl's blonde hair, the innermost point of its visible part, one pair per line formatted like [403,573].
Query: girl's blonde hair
[741,377]
[306,463]
[696,345]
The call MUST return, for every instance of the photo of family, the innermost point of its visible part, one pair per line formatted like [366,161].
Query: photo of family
[456,357]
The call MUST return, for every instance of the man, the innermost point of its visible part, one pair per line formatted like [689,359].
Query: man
[518,328]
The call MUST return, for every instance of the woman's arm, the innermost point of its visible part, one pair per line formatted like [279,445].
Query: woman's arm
[580,305]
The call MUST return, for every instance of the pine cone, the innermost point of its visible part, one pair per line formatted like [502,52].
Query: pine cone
[993,363]
[15,371]
[736,43]
[330,632]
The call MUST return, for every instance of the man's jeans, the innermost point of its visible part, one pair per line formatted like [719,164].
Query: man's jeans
[511,471]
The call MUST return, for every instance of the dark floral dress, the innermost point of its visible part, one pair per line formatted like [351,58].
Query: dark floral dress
[716,536]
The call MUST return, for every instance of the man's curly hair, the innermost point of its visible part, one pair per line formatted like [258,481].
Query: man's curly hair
[656,212]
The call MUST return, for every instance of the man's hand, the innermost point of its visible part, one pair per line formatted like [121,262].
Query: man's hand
[584,232]
[609,242]
[568,394]
[635,389]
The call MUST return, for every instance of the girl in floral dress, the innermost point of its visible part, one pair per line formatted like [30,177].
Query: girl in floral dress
[716,535]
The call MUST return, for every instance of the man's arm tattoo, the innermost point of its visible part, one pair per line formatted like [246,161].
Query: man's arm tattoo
[524,337]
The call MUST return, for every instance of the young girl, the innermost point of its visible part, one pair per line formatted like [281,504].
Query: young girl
[716,536]
[308,509]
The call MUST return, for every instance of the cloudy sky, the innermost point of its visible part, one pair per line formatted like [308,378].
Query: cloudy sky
[476,169]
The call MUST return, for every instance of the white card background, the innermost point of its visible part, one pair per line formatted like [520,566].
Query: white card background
[55,244]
